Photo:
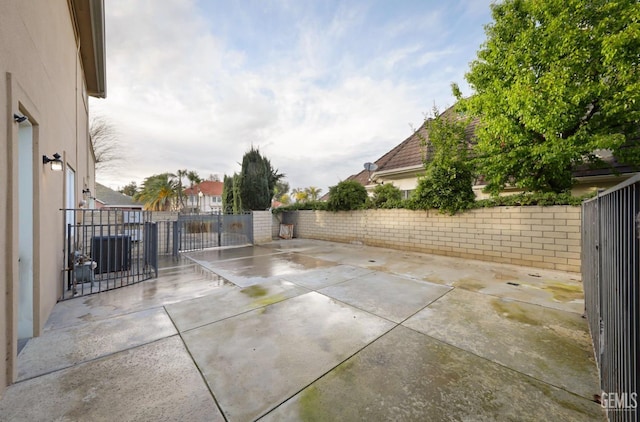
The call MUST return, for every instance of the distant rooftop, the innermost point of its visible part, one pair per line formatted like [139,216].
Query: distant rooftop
[111,198]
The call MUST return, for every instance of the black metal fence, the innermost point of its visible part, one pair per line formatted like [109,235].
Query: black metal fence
[106,249]
[610,273]
[201,231]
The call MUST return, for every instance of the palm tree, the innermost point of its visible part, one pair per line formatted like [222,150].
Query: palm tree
[180,175]
[158,192]
[300,195]
[193,177]
[313,192]
[284,199]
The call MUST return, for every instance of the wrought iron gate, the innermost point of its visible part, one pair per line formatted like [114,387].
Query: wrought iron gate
[610,274]
[106,249]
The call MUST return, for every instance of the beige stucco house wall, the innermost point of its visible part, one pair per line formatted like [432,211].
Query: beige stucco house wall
[51,59]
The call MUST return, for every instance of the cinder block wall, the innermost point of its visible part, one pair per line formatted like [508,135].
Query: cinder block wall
[276,219]
[261,227]
[542,237]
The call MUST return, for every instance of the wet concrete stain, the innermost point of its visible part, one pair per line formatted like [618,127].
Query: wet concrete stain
[273,265]
[513,311]
[255,291]
[564,292]
[261,294]
[469,284]
[503,276]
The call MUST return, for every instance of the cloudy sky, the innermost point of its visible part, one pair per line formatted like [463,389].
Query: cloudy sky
[319,86]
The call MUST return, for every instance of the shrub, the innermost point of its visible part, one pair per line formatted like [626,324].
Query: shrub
[309,205]
[384,195]
[447,187]
[528,198]
[347,195]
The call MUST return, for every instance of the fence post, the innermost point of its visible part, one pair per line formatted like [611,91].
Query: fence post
[176,239]
[600,287]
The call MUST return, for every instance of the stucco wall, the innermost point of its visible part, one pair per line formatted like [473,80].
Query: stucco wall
[542,237]
[41,77]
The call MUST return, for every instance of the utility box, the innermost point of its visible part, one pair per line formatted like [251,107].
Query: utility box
[111,253]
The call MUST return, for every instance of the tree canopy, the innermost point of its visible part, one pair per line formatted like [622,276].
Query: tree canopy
[554,82]
[106,144]
[448,180]
[257,181]
[347,195]
[158,192]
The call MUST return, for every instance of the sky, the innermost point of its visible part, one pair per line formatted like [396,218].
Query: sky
[318,86]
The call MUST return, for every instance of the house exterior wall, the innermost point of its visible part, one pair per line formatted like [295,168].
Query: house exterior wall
[41,77]
[542,237]
[581,187]
[207,204]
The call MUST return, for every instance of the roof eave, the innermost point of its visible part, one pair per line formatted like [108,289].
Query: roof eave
[398,171]
[90,28]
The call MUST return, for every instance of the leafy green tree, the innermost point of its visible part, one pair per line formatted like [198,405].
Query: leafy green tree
[130,189]
[254,181]
[227,194]
[273,178]
[554,82]
[386,194]
[231,202]
[237,199]
[347,195]
[280,191]
[448,181]
[158,192]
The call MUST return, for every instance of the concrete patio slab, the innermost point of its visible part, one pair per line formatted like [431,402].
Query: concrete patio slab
[471,353]
[258,269]
[388,296]
[227,302]
[550,345]
[259,359]
[80,343]
[554,289]
[179,284]
[405,375]
[327,276]
[224,254]
[154,382]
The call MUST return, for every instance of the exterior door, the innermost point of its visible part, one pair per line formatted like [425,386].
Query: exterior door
[25,230]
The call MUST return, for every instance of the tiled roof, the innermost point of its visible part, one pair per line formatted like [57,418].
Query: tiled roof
[208,187]
[114,198]
[410,152]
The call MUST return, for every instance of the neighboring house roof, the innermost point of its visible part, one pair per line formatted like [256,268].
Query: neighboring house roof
[409,155]
[208,187]
[112,198]
[88,16]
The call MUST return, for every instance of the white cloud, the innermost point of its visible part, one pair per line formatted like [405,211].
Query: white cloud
[182,96]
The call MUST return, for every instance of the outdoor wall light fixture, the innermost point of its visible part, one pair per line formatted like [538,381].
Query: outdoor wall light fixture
[18,118]
[56,162]
[86,193]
